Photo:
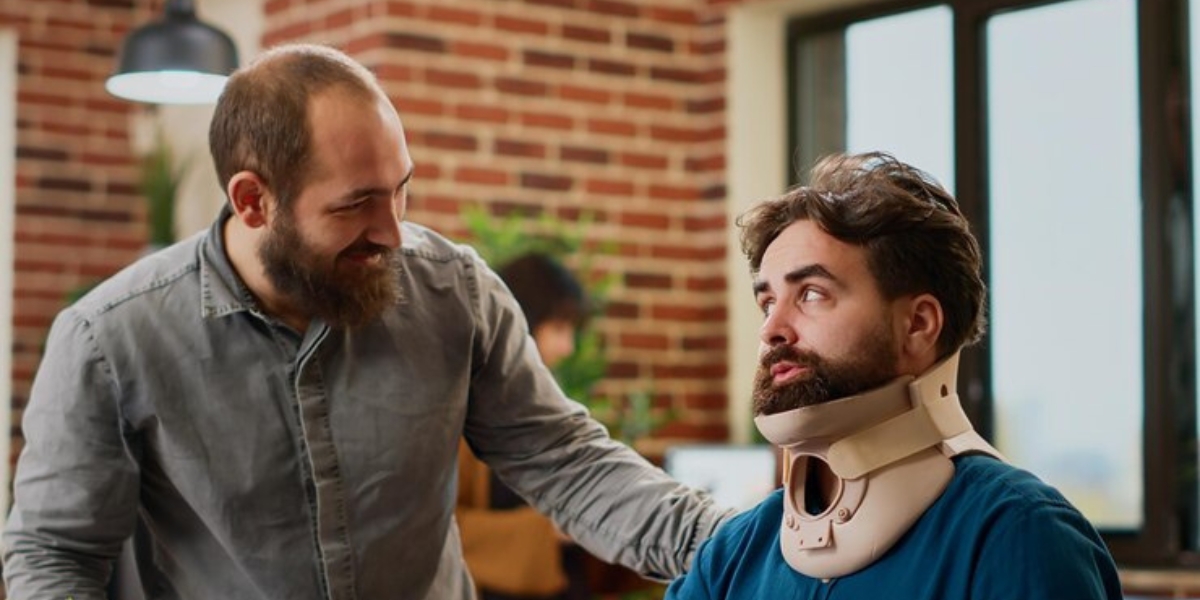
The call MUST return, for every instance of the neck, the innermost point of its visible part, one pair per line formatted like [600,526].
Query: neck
[241,245]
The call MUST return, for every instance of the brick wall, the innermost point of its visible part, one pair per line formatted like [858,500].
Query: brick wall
[610,107]
[79,217]
[607,107]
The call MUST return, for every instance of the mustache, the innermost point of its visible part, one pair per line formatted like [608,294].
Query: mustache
[785,352]
[366,248]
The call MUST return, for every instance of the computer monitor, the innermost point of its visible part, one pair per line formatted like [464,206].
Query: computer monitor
[738,476]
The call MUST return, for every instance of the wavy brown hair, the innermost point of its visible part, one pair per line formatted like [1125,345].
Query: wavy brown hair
[916,238]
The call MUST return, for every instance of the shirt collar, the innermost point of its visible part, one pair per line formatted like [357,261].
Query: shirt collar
[222,292]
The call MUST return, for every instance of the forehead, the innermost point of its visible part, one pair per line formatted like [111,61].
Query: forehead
[803,244]
[355,131]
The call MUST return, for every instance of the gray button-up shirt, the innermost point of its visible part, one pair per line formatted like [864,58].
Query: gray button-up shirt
[253,462]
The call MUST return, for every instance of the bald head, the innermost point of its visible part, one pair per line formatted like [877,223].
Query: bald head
[261,119]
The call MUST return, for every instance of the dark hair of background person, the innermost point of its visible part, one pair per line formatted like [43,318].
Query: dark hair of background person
[916,238]
[545,289]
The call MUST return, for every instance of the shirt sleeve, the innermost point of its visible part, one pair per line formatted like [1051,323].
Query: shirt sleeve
[544,446]
[1046,551]
[76,487]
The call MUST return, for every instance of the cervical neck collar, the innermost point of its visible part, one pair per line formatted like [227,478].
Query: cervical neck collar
[889,450]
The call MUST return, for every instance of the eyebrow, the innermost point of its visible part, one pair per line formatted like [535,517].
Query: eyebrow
[797,275]
[373,191]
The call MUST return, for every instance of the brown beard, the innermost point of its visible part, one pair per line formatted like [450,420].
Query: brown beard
[337,291]
[873,364]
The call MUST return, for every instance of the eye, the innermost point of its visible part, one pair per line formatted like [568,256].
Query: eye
[811,294]
[765,305]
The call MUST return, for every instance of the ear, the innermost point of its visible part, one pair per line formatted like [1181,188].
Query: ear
[249,198]
[923,321]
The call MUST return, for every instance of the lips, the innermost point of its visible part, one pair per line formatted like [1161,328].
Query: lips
[785,370]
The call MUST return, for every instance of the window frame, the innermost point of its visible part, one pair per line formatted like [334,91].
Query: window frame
[1169,535]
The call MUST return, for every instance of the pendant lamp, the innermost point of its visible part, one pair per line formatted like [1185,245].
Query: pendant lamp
[177,60]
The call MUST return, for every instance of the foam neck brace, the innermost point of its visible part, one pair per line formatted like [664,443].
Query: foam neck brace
[890,451]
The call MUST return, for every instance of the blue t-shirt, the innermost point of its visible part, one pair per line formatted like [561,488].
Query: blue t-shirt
[997,532]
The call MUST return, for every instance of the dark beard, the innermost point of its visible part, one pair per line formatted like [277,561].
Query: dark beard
[874,365]
[336,291]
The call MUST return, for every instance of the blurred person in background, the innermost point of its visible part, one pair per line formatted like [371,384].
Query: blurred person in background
[512,551]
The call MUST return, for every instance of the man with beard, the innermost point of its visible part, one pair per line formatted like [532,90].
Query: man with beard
[869,283]
[272,408]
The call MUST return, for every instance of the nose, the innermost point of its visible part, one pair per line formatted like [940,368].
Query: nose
[385,226]
[777,329]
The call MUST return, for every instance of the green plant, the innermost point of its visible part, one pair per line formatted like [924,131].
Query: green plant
[160,177]
[501,239]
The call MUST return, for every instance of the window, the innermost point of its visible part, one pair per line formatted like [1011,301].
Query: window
[1061,128]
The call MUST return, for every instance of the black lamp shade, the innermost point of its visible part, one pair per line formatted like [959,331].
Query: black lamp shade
[178,60]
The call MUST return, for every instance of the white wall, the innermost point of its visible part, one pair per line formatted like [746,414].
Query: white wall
[758,158]
[8,193]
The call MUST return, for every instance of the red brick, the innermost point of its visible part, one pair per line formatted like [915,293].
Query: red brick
[398,8]
[547,121]
[454,15]
[507,147]
[706,106]
[611,188]
[584,94]
[689,253]
[644,161]
[520,87]
[713,223]
[708,164]
[670,312]
[392,72]
[536,58]
[672,192]
[621,310]
[611,67]
[479,50]
[364,43]
[448,141]
[613,7]
[587,155]
[340,19]
[478,112]
[606,126]
[418,106]
[644,341]
[48,154]
[678,371]
[671,15]
[106,160]
[413,41]
[648,41]
[706,284]
[517,25]
[453,79]
[273,7]
[540,181]
[712,342]
[649,101]
[437,204]
[656,281]
[645,220]
[586,34]
[621,370]
[705,401]
[708,47]
[481,176]
[426,171]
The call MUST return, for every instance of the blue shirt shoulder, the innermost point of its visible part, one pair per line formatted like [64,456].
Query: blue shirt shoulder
[997,532]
